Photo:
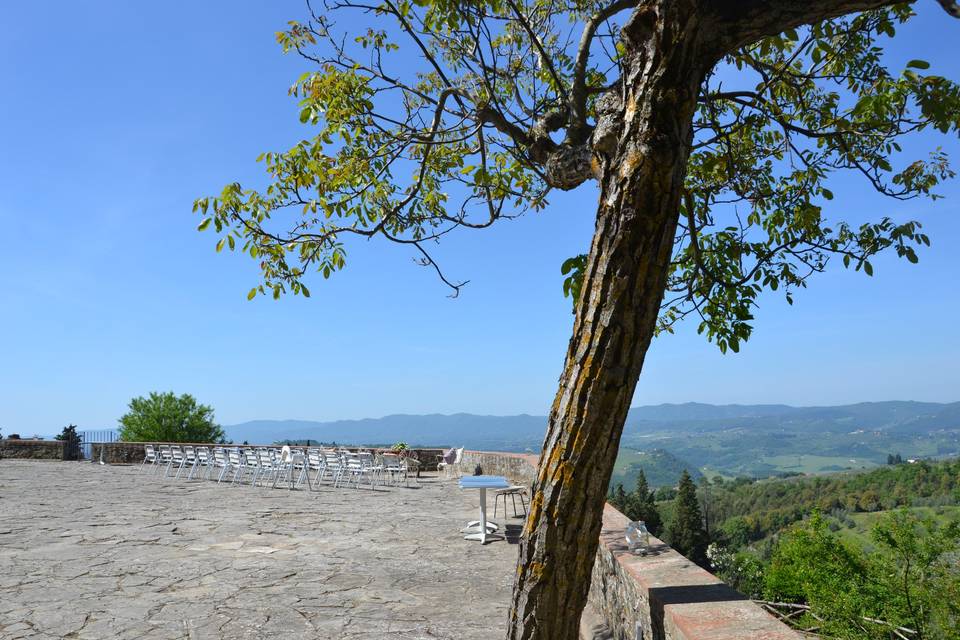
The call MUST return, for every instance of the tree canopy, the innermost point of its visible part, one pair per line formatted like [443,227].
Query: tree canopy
[447,115]
[69,432]
[910,581]
[166,417]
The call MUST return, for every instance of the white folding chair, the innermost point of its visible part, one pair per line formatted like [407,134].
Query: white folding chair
[267,464]
[221,461]
[331,465]
[235,460]
[455,465]
[189,460]
[251,463]
[393,469]
[315,462]
[177,460]
[203,460]
[163,453]
[149,456]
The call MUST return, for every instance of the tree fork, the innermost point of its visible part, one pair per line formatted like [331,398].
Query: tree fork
[642,165]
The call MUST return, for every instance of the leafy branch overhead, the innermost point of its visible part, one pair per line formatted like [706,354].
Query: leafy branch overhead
[446,115]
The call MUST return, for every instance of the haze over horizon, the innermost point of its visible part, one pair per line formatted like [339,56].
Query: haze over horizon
[544,413]
[681,406]
[115,294]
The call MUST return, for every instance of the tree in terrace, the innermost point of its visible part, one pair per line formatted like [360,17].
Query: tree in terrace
[710,128]
[166,417]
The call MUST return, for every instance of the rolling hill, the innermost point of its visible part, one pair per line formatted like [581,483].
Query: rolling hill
[752,440]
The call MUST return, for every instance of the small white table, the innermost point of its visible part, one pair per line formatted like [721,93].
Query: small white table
[481,529]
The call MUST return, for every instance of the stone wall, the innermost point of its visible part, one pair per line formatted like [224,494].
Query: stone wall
[133,452]
[32,449]
[659,596]
[118,452]
[520,468]
[667,597]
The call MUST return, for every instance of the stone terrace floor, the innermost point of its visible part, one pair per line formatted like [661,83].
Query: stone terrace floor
[90,551]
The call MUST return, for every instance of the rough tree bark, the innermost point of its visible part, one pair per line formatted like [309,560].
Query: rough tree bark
[639,148]
[641,142]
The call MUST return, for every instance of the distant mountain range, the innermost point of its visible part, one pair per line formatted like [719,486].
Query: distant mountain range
[508,433]
[522,432]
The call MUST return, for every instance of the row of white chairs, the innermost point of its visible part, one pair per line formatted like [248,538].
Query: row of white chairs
[277,466]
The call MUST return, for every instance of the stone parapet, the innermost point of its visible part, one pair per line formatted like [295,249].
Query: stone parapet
[117,452]
[519,468]
[664,596]
[658,596]
[32,449]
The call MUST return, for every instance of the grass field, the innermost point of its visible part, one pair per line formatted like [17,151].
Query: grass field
[816,464]
[864,522]
[624,458]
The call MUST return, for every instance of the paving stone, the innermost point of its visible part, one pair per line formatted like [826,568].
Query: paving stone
[90,551]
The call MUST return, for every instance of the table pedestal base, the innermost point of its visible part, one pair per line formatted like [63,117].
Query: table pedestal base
[484,538]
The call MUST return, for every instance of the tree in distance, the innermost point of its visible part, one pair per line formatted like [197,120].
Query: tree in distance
[641,505]
[686,533]
[68,433]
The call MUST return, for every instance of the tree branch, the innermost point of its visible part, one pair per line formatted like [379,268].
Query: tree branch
[578,96]
[742,22]
[951,7]
[535,39]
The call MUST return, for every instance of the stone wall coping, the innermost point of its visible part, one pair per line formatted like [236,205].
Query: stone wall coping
[533,459]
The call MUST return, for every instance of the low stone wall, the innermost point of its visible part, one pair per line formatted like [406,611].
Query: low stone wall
[669,597]
[520,468]
[32,449]
[118,452]
[659,596]
[428,458]
[133,452]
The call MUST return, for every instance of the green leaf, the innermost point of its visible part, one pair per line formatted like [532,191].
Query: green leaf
[203,225]
[252,294]
[918,64]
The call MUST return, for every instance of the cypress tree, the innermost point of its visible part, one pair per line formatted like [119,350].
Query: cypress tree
[686,533]
[618,498]
[642,506]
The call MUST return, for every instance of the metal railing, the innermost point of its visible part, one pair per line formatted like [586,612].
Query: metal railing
[90,438]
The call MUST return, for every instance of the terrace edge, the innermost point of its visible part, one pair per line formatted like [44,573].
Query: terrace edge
[659,596]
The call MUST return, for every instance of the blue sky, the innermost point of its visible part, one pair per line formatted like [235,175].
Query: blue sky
[116,115]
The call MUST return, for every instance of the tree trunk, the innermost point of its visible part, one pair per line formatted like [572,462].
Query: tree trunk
[643,149]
